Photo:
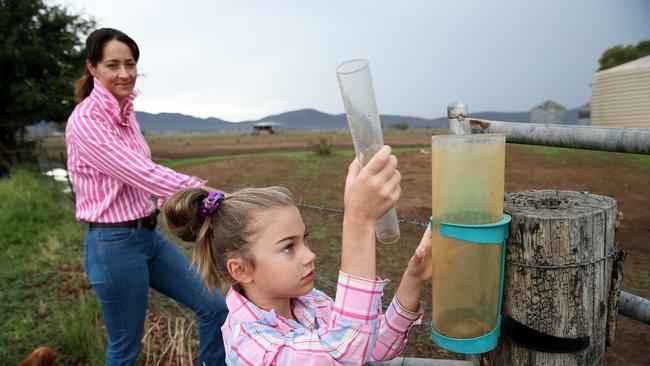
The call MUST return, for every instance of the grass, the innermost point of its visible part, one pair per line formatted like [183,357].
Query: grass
[635,160]
[283,154]
[81,334]
[44,300]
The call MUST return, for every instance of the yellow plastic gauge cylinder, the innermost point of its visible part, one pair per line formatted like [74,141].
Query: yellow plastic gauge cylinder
[467,188]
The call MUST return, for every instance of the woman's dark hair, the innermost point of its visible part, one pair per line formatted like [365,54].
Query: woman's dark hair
[94,51]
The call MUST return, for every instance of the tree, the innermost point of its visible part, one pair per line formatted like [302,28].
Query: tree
[40,57]
[618,55]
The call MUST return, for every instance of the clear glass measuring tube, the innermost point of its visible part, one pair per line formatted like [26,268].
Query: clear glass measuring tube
[358,96]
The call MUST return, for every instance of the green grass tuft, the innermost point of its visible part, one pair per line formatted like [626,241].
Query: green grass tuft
[41,277]
[81,331]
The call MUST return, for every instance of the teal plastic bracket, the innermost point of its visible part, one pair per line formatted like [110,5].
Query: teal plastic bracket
[493,233]
[482,344]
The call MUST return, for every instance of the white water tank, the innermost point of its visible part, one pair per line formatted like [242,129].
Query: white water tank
[621,95]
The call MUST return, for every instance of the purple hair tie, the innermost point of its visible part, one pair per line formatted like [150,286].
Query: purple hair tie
[210,204]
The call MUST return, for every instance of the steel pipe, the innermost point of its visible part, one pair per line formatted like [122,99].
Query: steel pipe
[615,139]
[635,307]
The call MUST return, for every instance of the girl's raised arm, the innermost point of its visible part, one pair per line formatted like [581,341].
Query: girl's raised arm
[369,193]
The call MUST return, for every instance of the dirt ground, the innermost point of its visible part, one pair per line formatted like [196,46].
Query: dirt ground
[621,176]
[614,175]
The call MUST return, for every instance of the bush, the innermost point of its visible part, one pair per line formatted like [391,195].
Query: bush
[403,126]
[323,146]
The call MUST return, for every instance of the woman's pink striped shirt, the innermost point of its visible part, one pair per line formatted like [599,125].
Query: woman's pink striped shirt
[110,164]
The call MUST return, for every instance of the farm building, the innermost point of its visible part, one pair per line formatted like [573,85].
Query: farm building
[621,95]
[268,127]
[548,112]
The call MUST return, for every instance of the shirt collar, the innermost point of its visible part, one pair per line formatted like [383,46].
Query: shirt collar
[110,104]
[242,309]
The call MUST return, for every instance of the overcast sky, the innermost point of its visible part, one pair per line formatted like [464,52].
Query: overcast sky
[244,60]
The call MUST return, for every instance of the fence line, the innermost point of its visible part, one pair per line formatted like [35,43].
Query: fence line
[403,220]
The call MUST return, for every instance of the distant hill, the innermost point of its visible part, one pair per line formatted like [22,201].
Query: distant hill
[169,123]
[303,119]
[308,119]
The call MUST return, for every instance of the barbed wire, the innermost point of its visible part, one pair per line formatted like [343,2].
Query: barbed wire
[611,253]
[403,220]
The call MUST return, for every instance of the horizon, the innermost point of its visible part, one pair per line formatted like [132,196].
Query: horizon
[340,114]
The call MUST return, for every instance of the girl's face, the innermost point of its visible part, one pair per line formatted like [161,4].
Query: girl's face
[117,70]
[284,264]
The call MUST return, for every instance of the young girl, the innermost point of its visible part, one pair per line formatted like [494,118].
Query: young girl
[254,242]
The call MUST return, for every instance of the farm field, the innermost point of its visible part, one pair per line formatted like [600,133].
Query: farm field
[205,145]
[230,162]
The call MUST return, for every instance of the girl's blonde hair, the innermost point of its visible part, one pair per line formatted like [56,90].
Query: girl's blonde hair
[225,233]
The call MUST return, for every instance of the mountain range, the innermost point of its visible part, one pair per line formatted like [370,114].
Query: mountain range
[303,119]
[307,119]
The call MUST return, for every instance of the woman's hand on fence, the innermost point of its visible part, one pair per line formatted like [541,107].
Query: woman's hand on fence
[204,181]
[372,190]
[209,188]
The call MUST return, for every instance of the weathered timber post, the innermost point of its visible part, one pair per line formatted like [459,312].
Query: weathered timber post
[557,278]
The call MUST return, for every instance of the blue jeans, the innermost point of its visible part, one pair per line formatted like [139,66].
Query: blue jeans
[122,263]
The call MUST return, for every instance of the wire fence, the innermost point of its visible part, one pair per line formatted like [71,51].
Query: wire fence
[416,223]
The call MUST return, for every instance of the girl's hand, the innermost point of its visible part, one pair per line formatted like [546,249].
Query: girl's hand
[369,193]
[416,273]
[372,190]
[419,267]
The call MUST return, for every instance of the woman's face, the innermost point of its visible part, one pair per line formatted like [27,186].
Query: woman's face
[117,70]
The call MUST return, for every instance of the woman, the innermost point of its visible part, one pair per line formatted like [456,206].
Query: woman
[114,179]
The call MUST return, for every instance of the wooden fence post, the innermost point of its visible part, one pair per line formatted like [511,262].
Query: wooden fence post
[557,276]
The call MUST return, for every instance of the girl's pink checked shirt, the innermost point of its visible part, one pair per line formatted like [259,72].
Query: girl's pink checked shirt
[348,331]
